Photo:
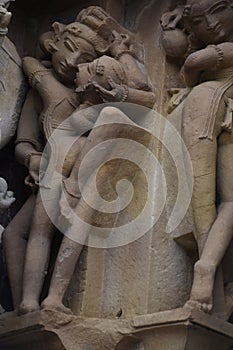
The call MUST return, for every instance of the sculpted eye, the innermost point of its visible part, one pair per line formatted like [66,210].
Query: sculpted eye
[69,46]
[196,20]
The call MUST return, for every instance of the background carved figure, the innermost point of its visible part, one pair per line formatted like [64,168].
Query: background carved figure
[200,34]
[11,94]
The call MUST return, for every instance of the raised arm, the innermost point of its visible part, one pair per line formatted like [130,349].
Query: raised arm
[174,38]
[212,58]
[139,89]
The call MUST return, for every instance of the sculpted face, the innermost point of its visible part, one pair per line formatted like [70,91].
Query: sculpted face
[5,16]
[5,3]
[212,21]
[68,51]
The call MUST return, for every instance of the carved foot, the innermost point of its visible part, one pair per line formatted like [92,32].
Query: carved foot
[202,289]
[50,303]
[27,307]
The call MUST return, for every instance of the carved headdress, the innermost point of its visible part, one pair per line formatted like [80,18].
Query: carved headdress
[191,3]
[104,25]
[95,26]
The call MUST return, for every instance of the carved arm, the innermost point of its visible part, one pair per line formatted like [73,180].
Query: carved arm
[28,136]
[212,58]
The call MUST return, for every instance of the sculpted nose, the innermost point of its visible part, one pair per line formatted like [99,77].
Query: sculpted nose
[211,22]
[72,60]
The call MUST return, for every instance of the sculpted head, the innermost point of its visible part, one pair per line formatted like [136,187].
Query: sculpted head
[5,15]
[70,45]
[211,21]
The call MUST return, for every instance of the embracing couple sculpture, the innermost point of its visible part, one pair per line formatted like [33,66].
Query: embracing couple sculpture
[94,60]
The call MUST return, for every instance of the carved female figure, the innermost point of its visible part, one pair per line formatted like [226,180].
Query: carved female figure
[207,131]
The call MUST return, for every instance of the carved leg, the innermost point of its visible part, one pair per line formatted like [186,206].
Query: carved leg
[66,261]
[14,244]
[97,135]
[203,153]
[214,250]
[37,258]
[219,236]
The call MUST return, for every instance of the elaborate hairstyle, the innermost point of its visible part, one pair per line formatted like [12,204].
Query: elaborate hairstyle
[95,26]
[104,25]
[190,3]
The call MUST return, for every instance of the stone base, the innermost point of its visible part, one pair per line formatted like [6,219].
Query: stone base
[171,330]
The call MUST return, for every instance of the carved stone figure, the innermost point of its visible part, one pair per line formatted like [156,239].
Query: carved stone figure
[201,35]
[6,196]
[107,64]
[11,94]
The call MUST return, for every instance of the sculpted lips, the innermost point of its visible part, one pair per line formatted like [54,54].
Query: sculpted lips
[65,67]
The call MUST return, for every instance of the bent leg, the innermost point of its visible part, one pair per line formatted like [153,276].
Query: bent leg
[14,245]
[67,258]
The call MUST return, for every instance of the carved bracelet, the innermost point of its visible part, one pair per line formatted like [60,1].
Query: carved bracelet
[28,157]
[32,75]
[125,92]
[118,56]
[220,56]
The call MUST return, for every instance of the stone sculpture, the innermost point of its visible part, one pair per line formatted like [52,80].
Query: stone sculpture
[105,62]
[11,95]
[200,35]
[6,196]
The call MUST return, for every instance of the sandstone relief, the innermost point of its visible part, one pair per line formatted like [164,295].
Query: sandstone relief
[123,111]
[92,60]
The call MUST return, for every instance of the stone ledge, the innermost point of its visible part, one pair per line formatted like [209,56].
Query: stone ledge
[180,329]
[184,315]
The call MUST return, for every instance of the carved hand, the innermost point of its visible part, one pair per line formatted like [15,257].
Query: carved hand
[169,20]
[5,17]
[120,43]
[34,169]
[116,94]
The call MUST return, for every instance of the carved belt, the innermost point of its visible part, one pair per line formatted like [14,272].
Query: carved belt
[213,109]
